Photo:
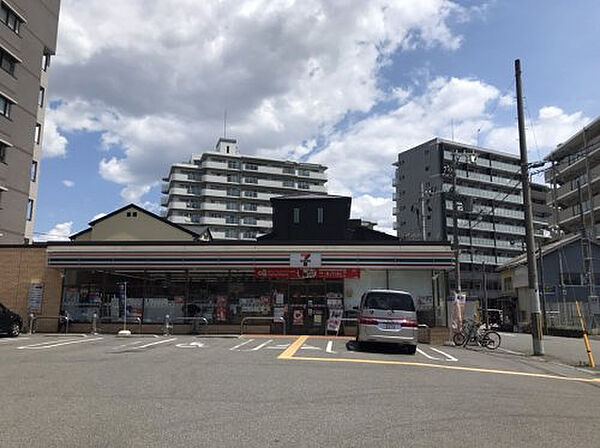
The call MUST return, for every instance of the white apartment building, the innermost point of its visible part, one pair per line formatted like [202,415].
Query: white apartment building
[230,193]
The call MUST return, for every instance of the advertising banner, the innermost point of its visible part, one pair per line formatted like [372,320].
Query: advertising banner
[301,273]
[36,293]
[335,319]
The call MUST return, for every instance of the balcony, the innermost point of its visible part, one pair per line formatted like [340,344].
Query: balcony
[180,219]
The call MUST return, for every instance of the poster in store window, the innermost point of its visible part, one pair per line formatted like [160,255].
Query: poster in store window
[298,316]
[335,320]
[36,292]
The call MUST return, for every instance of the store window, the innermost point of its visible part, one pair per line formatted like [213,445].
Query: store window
[5,106]
[7,62]
[320,215]
[296,216]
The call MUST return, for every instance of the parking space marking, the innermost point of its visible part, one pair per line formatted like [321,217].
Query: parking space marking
[449,357]
[309,347]
[295,347]
[241,345]
[512,352]
[130,344]
[329,348]
[427,356]
[45,345]
[258,347]
[7,340]
[278,347]
[193,344]
[154,343]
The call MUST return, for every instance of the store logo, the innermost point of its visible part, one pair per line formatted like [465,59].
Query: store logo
[305,260]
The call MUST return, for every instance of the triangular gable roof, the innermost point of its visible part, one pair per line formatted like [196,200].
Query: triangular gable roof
[196,235]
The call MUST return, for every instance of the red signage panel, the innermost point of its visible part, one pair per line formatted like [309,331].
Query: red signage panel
[303,273]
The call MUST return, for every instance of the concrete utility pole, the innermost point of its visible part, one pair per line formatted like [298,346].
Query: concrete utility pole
[422,200]
[455,219]
[534,298]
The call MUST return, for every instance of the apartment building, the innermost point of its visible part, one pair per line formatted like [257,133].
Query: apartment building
[230,192]
[575,180]
[28,31]
[490,212]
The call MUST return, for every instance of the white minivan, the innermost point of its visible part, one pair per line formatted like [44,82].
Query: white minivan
[388,316]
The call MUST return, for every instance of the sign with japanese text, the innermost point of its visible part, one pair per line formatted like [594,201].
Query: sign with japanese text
[300,273]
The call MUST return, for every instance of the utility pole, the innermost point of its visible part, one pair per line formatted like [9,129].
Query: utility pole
[534,298]
[486,316]
[422,199]
[455,219]
[543,291]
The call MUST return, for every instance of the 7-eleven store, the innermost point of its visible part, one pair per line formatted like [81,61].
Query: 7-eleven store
[224,283]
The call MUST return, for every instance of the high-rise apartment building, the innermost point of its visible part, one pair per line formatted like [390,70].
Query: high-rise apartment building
[28,31]
[230,192]
[490,213]
[575,180]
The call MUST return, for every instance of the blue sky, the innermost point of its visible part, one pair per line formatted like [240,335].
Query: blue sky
[137,87]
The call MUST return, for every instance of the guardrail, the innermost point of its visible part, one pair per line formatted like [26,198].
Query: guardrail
[270,319]
[33,319]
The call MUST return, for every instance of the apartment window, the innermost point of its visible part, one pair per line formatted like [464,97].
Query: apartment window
[296,216]
[233,178]
[251,180]
[250,220]
[250,234]
[250,193]
[303,185]
[233,206]
[3,147]
[233,164]
[250,207]
[7,62]
[29,211]
[33,174]
[320,215]
[233,192]
[5,105]
[289,183]
[230,219]
[45,61]
[288,170]
[571,278]
[10,19]
[38,133]
[304,173]
[41,95]
[251,166]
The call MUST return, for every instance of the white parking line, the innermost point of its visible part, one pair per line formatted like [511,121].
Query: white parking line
[278,347]
[242,344]
[258,347]
[154,343]
[450,357]
[131,343]
[50,341]
[58,344]
[309,347]
[329,348]
[427,356]
[512,352]
[7,340]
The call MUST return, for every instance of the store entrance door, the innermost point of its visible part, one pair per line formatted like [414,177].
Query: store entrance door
[308,307]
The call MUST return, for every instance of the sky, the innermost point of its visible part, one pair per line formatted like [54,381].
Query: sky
[138,85]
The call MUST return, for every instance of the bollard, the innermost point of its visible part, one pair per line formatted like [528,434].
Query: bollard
[95,323]
[31,320]
[167,327]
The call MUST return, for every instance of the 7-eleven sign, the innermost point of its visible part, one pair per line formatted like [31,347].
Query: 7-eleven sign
[305,260]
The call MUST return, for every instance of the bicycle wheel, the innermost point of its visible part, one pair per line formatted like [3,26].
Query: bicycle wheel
[458,338]
[491,340]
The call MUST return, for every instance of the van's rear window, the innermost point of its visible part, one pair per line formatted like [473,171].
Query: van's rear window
[389,301]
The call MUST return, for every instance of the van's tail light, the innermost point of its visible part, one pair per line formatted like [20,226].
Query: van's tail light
[409,322]
[367,321]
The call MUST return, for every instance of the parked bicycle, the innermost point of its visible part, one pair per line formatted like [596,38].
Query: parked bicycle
[472,332]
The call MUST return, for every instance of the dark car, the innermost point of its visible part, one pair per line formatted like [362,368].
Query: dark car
[10,322]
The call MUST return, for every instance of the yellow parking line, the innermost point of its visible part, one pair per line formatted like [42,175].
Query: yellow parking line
[440,366]
[293,348]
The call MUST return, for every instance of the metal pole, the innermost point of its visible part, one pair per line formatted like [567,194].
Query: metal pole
[125,305]
[543,290]
[486,315]
[455,219]
[423,232]
[534,298]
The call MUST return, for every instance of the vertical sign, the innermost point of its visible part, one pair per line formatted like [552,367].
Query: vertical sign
[36,293]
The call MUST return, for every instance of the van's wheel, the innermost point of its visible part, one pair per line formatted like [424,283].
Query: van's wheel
[15,330]
[410,349]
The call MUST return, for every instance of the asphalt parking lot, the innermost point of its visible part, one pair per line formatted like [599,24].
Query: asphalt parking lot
[105,391]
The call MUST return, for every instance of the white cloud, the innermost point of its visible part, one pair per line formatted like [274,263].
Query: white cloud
[60,232]
[54,144]
[68,183]
[378,210]
[551,127]
[286,73]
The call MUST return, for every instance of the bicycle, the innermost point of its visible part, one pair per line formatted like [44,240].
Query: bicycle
[471,332]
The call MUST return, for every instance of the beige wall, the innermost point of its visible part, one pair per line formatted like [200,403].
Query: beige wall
[22,266]
[142,227]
